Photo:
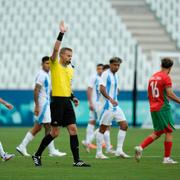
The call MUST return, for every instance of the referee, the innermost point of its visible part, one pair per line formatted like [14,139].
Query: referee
[62,112]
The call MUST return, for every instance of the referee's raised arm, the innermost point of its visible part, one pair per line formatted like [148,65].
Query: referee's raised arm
[57,45]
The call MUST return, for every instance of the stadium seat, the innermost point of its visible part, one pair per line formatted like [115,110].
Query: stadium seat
[96,33]
[168,13]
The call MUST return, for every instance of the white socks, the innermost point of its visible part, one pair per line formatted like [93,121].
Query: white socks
[89,133]
[28,137]
[107,140]
[94,135]
[51,147]
[120,140]
[99,140]
[1,150]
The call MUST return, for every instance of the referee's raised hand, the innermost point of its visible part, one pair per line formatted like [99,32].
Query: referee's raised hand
[62,27]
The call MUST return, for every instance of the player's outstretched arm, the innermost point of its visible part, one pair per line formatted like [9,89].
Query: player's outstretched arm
[57,45]
[8,105]
[172,95]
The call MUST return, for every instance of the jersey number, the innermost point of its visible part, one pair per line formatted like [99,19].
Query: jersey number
[155,90]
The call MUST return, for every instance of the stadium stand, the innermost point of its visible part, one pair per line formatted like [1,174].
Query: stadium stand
[169,15]
[96,33]
[148,28]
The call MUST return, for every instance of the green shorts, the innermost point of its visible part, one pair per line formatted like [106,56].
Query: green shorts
[162,120]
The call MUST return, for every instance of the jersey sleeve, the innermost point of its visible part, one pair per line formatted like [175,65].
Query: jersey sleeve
[91,82]
[103,79]
[168,82]
[40,79]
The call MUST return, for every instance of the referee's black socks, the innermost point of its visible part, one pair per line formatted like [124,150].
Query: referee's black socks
[44,143]
[74,143]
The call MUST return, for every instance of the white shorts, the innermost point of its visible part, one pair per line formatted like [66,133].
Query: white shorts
[107,116]
[94,115]
[44,114]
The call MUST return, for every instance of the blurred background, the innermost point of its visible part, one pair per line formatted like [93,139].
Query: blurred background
[141,32]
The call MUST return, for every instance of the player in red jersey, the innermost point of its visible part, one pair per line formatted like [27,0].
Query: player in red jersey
[159,91]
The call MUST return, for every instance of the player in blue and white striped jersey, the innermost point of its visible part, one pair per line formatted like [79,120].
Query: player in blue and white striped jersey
[42,115]
[95,108]
[93,94]
[111,110]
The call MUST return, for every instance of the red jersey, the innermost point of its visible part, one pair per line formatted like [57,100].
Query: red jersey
[157,91]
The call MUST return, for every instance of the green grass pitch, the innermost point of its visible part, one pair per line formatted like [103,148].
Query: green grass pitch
[149,168]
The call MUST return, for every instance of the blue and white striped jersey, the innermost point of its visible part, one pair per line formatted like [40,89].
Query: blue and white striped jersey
[43,79]
[110,82]
[94,84]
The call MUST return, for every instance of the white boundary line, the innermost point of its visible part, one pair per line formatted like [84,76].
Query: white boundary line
[111,157]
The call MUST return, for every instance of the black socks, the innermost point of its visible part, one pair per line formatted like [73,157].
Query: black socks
[44,143]
[74,143]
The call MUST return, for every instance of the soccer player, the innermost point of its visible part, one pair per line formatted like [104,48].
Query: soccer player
[111,110]
[5,156]
[95,108]
[159,91]
[62,112]
[93,98]
[42,115]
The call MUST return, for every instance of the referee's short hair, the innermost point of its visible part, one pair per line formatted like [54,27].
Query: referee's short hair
[166,63]
[45,58]
[64,49]
[115,60]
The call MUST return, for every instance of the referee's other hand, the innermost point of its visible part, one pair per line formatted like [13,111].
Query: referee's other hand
[75,101]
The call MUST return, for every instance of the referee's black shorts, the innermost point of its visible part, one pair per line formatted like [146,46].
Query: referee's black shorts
[62,112]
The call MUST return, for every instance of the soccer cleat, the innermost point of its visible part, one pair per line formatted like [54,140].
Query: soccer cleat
[104,145]
[168,160]
[22,150]
[81,164]
[110,151]
[56,152]
[138,153]
[101,156]
[37,160]
[92,146]
[122,154]
[7,156]
[85,145]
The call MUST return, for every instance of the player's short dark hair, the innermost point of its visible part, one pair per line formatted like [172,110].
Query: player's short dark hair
[45,58]
[166,63]
[65,49]
[106,66]
[100,64]
[115,60]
